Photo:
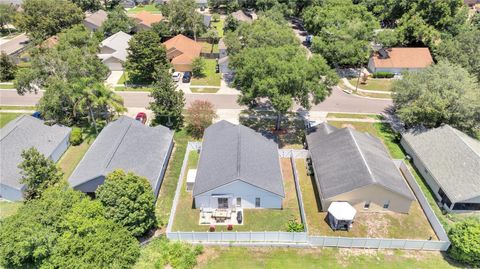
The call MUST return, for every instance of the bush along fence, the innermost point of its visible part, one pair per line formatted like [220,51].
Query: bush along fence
[302,239]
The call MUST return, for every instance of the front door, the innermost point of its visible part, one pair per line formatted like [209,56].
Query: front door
[222,202]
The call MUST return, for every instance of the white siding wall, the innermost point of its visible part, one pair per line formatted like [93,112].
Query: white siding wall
[62,147]
[247,192]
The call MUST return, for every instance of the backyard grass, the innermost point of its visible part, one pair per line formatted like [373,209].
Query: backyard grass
[74,155]
[7,117]
[207,47]
[8,208]
[384,85]
[355,116]
[17,108]
[219,26]
[332,258]
[209,78]
[187,218]
[204,90]
[4,86]
[150,8]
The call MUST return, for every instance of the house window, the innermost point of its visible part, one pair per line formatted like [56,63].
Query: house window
[367,205]
[386,204]
[223,202]
[239,201]
[257,202]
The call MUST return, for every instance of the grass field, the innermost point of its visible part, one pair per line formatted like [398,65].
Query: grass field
[355,116]
[74,155]
[331,258]
[187,218]
[204,90]
[7,117]
[207,47]
[150,8]
[384,85]
[219,26]
[209,78]
[8,208]
[130,89]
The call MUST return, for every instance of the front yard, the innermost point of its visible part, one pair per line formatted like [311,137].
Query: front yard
[384,85]
[209,78]
[187,218]
[7,117]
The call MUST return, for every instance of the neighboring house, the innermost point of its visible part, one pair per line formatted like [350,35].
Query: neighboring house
[398,60]
[244,16]
[113,51]
[238,167]
[127,3]
[354,167]
[20,134]
[202,3]
[129,145]
[181,51]
[449,161]
[207,19]
[95,20]
[15,46]
[145,19]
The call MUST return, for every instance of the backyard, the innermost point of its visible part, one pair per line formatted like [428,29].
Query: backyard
[219,26]
[210,77]
[187,218]
[74,155]
[384,85]
[207,47]
[139,8]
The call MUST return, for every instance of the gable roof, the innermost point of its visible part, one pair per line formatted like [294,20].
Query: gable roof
[404,58]
[117,42]
[182,50]
[129,145]
[15,44]
[97,18]
[23,133]
[147,18]
[451,157]
[234,152]
[345,160]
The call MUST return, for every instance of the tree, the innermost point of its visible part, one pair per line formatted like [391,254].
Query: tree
[465,238]
[64,229]
[117,20]
[88,5]
[38,173]
[161,29]
[44,18]
[198,66]
[212,36]
[8,68]
[183,18]
[7,15]
[216,17]
[128,200]
[442,93]
[413,29]
[388,38]
[168,102]
[146,54]
[231,24]
[291,77]
[200,114]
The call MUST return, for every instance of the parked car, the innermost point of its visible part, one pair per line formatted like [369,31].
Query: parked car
[141,117]
[176,76]
[186,77]
[37,114]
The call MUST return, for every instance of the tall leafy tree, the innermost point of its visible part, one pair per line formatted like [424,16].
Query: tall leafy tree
[168,102]
[117,20]
[129,201]
[8,67]
[88,5]
[38,173]
[44,18]
[183,19]
[442,93]
[146,55]
[283,75]
[7,16]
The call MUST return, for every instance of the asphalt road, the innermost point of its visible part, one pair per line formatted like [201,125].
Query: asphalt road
[338,101]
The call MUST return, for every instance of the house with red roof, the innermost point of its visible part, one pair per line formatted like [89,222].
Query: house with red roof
[181,51]
[398,60]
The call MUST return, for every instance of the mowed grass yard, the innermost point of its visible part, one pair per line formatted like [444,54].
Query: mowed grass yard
[150,8]
[219,26]
[74,154]
[207,47]
[7,117]
[8,208]
[331,258]
[209,78]
[187,218]
[384,85]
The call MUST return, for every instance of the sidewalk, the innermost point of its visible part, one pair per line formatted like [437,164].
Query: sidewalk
[113,78]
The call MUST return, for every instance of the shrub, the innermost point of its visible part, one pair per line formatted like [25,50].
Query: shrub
[294,226]
[76,137]
[465,238]
[383,75]
[162,252]
[199,116]
[198,66]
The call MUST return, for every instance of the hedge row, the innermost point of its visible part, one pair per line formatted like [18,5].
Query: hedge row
[383,75]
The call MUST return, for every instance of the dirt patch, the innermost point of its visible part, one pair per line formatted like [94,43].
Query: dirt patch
[208,254]
[377,224]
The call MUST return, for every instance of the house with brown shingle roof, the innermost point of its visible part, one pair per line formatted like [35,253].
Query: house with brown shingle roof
[145,19]
[95,20]
[398,60]
[181,51]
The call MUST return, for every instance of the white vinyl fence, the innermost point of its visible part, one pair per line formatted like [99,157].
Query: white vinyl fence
[251,237]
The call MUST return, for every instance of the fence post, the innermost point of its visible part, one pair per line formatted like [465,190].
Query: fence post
[365,245]
[221,236]
[250,236]
[404,243]
[379,243]
[423,245]
[236,236]
[208,236]
[278,236]
[193,236]
[338,240]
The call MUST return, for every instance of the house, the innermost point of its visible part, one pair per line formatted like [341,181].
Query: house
[129,145]
[449,161]
[398,60]
[113,51]
[354,167]
[145,19]
[243,16]
[181,51]
[20,134]
[15,46]
[201,3]
[95,20]
[238,167]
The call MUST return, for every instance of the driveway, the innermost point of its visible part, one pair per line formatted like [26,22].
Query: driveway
[297,27]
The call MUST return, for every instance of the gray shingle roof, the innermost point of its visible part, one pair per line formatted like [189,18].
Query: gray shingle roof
[125,144]
[117,42]
[345,160]
[97,18]
[234,152]
[23,133]
[451,157]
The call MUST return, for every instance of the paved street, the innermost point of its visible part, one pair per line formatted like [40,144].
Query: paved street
[337,102]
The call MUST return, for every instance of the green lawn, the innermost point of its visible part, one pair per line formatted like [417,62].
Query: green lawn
[384,85]
[219,26]
[7,86]
[7,117]
[331,258]
[150,8]
[207,47]
[130,89]
[74,155]
[187,218]
[375,95]
[123,78]
[209,78]
[355,116]
[204,90]
[17,108]
[8,208]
